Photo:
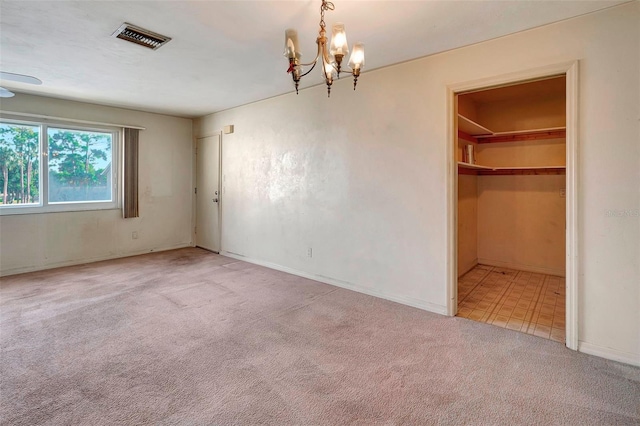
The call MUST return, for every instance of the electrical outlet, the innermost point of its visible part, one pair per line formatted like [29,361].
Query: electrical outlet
[134,235]
[563,192]
[310,252]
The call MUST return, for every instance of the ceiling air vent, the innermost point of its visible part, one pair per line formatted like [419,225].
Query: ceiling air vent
[141,36]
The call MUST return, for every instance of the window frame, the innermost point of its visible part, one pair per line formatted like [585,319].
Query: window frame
[44,206]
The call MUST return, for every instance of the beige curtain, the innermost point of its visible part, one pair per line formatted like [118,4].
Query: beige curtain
[130,186]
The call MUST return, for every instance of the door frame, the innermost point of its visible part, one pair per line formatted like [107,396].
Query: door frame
[570,69]
[195,195]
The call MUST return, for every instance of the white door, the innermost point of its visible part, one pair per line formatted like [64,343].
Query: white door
[208,193]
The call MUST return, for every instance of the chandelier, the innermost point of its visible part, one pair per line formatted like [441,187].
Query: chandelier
[331,57]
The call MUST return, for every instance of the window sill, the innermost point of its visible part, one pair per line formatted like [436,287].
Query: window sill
[14,211]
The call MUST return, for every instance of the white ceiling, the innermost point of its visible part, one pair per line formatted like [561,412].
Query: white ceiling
[229,53]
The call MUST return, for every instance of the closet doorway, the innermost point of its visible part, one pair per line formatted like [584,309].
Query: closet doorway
[514,159]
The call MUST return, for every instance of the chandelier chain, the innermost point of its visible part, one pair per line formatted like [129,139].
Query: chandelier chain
[326,5]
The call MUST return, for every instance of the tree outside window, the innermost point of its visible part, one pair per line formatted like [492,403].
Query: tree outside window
[79,166]
[20,164]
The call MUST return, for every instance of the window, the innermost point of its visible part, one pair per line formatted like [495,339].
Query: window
[56,168]
[79,165]
[20,162]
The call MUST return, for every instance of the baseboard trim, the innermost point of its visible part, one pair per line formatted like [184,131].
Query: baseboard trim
[609,353]
[469,267]
[409,301]
[522,267]
[54,265]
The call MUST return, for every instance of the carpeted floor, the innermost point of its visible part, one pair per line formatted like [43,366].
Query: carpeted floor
[189,337]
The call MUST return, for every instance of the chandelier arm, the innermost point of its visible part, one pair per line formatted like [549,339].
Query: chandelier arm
[342,70]
[315,61]
[310,69]
[325,51]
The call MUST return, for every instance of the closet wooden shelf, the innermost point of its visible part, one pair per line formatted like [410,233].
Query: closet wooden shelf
[480,134]
[476,169]
[472,128]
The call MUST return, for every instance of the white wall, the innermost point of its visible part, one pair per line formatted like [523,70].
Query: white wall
[362,177]
[38,241]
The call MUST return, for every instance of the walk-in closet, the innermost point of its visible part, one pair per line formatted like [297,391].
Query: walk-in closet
[511,213]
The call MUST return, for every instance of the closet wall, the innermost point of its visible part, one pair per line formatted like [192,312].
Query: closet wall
[519,215]
[467,200]
[522,223]
[467,222]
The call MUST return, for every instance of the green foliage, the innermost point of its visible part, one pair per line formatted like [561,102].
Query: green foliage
[19,163]
[73,158]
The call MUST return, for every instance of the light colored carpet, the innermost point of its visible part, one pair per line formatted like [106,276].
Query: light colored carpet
[189,337]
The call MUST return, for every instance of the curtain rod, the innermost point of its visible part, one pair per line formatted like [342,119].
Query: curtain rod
[71,120]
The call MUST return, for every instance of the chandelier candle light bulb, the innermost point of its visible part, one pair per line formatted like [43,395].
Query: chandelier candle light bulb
[328,73]
[291,46]
[292,52]
[356,62]
[339,46]
[331,58]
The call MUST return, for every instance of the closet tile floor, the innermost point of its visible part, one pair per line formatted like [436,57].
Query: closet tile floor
[524,301]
